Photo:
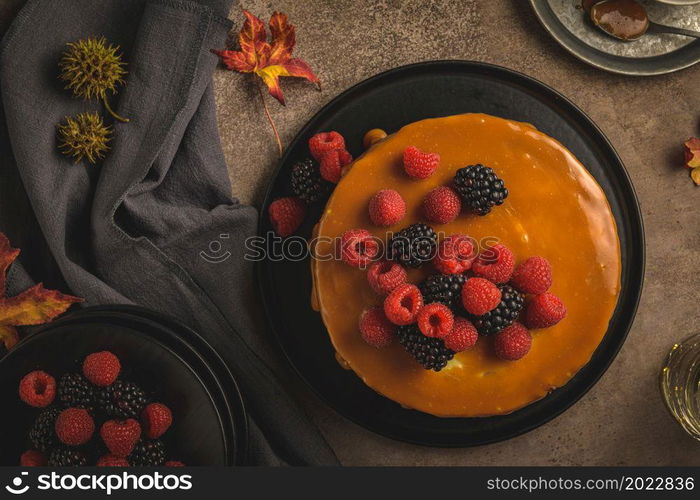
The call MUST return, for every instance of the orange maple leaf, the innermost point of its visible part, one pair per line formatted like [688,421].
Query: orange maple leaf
[692,152]
[34,306]
[268,60]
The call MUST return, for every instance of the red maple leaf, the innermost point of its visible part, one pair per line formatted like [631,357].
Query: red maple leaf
[692,152]
[34,306]
[692,158]
[269,60]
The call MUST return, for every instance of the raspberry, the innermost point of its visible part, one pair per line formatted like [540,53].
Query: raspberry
[435,320]
[455,254]
[101,368]
[358,247]
[495,264]
[120,436]
[332,163]
[386,208]
[376,329]
[112,461]
[533,276]
[156,418]
[323,142]
[544,310]
[32,458]
[37,389]
[286,215]
[419,165]
[74,426]
[384,276]
[174,463]
[442,205]
[462,337]
[513,342]
[480,296]
[403,304]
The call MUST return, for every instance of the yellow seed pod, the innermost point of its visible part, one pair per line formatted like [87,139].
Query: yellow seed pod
[84,136]
[91,68]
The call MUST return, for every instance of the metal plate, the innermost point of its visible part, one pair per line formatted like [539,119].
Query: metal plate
[651,55]
[390,101]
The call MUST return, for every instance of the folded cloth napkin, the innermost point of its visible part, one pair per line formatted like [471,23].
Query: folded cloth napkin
[130,230]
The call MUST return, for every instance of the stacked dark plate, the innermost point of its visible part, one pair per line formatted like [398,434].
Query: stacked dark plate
[163,356]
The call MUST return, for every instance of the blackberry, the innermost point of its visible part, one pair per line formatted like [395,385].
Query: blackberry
[480,188]
[66,457]
[42,434]
[413,245]
[75,391]
[148,453]
[429,352]
[504,314]
[307,182]
[122,400]
[446,289]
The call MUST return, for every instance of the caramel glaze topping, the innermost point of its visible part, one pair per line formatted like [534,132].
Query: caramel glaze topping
[555,209]
[624,19]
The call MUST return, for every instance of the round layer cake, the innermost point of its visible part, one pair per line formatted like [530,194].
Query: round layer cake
[555,210]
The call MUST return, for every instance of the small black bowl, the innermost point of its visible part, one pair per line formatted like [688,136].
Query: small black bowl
[172,363]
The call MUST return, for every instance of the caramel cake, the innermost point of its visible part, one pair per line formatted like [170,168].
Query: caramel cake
[554,209]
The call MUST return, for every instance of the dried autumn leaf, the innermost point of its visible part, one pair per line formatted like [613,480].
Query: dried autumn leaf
[7,257]
[9,336]
[34,306]
[695,175]
[268,60]
[692,153]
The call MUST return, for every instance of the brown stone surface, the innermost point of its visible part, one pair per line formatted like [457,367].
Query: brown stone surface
[622,420]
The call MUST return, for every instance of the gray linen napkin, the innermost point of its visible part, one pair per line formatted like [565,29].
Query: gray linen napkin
[130,230]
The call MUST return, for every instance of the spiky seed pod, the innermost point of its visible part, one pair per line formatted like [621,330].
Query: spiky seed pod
[91,68]
[84,136]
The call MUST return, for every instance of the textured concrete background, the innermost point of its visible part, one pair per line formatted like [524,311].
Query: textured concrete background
[622,420]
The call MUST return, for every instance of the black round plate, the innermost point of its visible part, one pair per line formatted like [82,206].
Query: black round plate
[389,101]
[165,357]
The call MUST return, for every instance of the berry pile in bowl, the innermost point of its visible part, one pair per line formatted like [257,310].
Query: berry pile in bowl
[93,416]
[160,360]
